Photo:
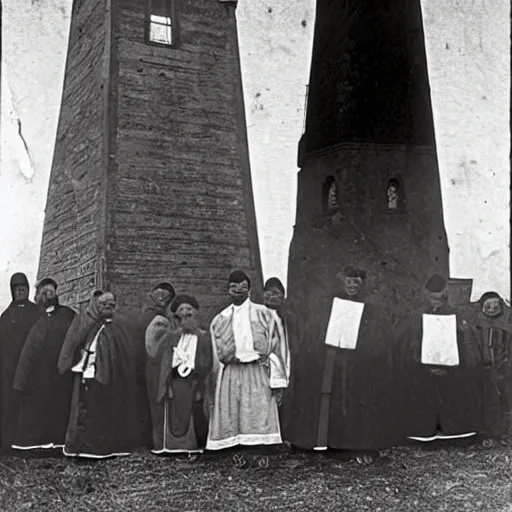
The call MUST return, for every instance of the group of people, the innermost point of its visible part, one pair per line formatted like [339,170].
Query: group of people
[343,378]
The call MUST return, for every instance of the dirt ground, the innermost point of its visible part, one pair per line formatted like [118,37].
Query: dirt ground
[405,479]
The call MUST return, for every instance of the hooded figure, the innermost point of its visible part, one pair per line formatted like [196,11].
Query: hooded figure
[491,329]
[103,420]
[342,374]
[158,302]
[182,359]
[46,394]
[15,324]
[438,370]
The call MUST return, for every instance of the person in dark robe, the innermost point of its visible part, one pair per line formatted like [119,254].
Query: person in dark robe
[491,329]
[342,375]
[45,394]
[158,302]
[438,371]
[15,324]
[183,357]
[274,298]
[103,420]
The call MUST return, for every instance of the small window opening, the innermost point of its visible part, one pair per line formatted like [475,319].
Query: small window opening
[393,193]
[161,22]
[160,29]
[330,195]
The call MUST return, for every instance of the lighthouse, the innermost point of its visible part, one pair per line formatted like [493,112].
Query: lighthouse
[150,178]
[369,192]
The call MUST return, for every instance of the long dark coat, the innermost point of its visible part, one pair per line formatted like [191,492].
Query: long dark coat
[103,419]
[433,397]
[342,398]
[15,324]
[46,394]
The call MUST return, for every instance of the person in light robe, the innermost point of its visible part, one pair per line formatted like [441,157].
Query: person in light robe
[157,304]
[15,324]
[491,328]
[274,299]
[248,375]
[438,371]
[45,394]
[342,376]
[96,352]
[182,357]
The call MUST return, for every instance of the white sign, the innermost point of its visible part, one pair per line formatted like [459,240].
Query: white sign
[344,322]
[439,343]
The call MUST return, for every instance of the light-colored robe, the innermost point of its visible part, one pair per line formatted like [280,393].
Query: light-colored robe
[248,365]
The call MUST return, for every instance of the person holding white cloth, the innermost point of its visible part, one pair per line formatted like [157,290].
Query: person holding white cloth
[438,371]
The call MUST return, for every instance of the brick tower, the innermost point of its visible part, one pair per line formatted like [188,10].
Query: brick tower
[368,188]
[150,177]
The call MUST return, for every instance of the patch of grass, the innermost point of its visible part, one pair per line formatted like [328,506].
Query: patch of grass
[405,479]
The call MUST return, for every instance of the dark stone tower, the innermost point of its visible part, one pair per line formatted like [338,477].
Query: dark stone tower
[150,177]
[368,187]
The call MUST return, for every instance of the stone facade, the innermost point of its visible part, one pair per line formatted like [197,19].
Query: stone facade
[172,179]
[369,130]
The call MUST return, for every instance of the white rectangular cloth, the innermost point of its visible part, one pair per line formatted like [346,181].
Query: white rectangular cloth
[87,363]
[344,323]
[185,353]
[242,332]
[439,343]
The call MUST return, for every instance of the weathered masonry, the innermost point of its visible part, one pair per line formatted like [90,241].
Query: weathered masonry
[368,188]
[150,177]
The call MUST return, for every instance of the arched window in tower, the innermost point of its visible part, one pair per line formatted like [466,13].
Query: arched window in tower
[330,195]
[393,194]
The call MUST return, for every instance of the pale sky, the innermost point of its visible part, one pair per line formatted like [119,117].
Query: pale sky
[469,63]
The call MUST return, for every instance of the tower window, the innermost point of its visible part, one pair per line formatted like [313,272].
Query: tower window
[330,195]
[394,195]
[162,22]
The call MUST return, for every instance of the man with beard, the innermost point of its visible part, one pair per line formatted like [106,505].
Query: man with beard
[15,324]
[342,375]
[274,299]
[248,373]
[491,330]
[158,302]
[44,409]
[183,358]
[439,371]
[103,421]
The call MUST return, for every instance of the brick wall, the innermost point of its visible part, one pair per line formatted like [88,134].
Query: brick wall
[69,251]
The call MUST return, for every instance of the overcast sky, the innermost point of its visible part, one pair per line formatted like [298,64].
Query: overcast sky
[469,63]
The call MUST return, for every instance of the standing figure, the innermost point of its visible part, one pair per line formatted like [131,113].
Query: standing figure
[274,299]
[158,302]
[103,420]
[342,374]
[439,372]
[249,372]
[44,409]
[491,328]
[182,358]
[15,324]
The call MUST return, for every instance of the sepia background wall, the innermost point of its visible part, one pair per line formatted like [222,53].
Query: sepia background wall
[468,48]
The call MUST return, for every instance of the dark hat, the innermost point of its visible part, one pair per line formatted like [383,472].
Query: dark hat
[238,276]
[436,284]
[166,286]
[351,271]
[46,281]
[487,296]
[274,282]
[184,299]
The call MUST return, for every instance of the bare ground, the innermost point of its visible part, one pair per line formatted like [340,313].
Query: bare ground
[406,479]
